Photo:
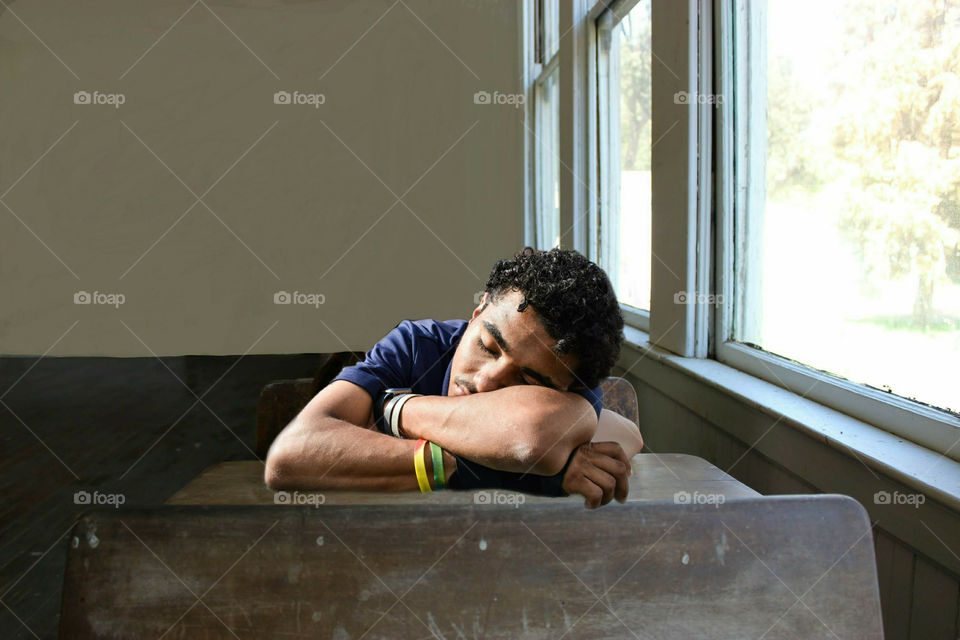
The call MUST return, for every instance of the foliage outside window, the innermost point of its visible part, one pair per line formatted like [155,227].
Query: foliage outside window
[856,268]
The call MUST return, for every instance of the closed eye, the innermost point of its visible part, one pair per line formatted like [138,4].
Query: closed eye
[494,354]
[484,347]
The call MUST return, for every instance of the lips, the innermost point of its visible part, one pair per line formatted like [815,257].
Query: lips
[459,391]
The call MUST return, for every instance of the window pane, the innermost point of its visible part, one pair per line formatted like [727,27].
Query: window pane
[551,28]
[625,208]
[548,160]
[854,251]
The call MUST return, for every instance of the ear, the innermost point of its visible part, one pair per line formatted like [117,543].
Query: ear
[483,303]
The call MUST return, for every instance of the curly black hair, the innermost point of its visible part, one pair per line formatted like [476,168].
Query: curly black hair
[575,301]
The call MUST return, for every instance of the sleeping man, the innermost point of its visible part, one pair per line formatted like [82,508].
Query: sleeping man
[509,399]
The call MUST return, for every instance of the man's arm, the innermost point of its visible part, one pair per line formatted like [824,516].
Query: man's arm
[614,427]
[521,428]
[328,446]
[599,470]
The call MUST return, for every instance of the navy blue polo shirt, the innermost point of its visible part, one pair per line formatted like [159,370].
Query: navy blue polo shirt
[419,354]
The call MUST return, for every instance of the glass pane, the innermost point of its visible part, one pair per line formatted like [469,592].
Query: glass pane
[551,28]
[630,144]
[856,257]
[548,161]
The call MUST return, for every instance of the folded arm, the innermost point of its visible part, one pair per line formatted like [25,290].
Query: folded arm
[522,428]
[330,445]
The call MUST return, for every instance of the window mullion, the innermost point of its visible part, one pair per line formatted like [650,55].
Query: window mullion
[674,181]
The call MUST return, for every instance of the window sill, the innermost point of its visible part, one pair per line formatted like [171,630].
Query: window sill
[878,451]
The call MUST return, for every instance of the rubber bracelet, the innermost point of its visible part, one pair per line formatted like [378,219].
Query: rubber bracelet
[395,413]
[420,467]
[437,454]
[388,412]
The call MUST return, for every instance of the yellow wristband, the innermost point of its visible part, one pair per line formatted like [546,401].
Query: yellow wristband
[420,467]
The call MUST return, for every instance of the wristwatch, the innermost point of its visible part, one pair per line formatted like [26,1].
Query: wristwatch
[386,409]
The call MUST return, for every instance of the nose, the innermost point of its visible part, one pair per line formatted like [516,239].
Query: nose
[493,376]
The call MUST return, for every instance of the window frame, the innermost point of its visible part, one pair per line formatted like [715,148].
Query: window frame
[679,219]
[931,427]
[607,128]
[543,133]
[534,44]
[694,210]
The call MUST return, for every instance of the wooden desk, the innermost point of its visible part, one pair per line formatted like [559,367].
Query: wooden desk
[774,567]
[654,477]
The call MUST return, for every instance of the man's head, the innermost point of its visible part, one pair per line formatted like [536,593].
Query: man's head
[548,317]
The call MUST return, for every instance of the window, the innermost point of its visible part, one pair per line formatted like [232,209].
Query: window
[624,121]
[803,221]
[846,238]
[546,133]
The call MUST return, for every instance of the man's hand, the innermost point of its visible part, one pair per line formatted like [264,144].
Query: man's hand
[598,471]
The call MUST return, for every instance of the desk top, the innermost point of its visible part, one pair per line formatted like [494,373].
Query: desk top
[668,476]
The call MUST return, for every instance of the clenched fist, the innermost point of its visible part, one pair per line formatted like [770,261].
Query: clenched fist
[598,471]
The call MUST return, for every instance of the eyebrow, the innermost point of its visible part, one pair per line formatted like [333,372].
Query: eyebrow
[495,332]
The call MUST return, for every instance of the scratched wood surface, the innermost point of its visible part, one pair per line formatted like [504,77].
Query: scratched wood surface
[774,567]
[654,477]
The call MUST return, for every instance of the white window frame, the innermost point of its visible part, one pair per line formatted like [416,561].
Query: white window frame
[605,231]
[737,23]
[538,181]
[676,214]
[544,125]
[694,215]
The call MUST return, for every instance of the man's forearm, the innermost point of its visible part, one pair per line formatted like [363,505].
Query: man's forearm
[520,428]
[337,455]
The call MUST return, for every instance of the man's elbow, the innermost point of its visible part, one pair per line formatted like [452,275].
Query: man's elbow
[276,471]
[280,465]
[549,451]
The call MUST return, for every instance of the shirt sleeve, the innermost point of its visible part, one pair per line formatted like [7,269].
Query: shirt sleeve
[388,364]
[594,397]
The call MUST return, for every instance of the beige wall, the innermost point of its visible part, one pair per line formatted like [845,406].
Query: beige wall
[99,212]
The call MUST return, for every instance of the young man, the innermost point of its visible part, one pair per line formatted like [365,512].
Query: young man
[509,398]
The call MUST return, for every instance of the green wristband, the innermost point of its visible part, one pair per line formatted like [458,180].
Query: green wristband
[436,453]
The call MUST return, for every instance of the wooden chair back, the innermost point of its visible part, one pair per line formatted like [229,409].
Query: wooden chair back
[771,567]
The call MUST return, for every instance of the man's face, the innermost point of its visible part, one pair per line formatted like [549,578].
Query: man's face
[502,347]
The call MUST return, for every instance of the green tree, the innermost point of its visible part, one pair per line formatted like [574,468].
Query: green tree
[635,74]
[896,132]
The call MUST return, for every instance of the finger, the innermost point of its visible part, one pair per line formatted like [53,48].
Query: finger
[592,494]
[579,484]
[610,449]
[617,466]
[604,480]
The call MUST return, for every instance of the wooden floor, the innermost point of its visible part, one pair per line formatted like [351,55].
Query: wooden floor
[116,426]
